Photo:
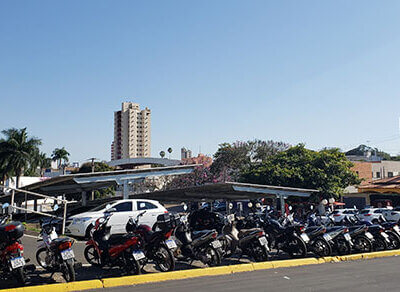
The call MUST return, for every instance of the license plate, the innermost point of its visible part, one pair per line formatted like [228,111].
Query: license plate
[369,235]
[396,228]
[384,235]
[327,237]
[216,244]
[17,262]
[67,254]
[171,243]
[138,255]
[263,240]
[305,237]
[347,237]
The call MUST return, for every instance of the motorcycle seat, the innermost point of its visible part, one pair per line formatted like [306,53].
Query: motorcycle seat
[315,230]
[117,238]
[198,234]
[245,232]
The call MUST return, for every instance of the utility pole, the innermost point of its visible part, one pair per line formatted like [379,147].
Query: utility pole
[92,162]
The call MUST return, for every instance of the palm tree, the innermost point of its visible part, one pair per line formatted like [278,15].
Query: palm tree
[16,153]
[43,162]
[162,154]
[169,151]
[60,155]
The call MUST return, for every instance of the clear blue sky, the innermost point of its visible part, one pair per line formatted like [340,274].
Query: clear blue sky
[325,73]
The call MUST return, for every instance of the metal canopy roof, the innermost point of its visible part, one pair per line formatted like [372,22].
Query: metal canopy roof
[225,191]
[75,183]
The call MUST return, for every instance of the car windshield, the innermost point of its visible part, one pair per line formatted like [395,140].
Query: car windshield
[98,208]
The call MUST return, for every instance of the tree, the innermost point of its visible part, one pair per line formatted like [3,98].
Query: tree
[200,176]
[98,167]
[327,170]
[231,158]
[162,154]
[17,152]
[169,151]
[60,155]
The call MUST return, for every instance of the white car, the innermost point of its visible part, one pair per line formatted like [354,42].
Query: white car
[338,215]
[80,224]
[373,215]
[392,214]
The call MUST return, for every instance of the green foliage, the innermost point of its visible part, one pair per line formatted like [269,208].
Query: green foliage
[17,153]
[327,170]
[60,155]
[230,159]
[98,167]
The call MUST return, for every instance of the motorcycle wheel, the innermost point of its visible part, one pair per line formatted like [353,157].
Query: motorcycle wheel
[296,248]
[41,256]
[164,259]
[20,275]
[213,257]
[379,244]
[394,240]
[343,247]
[68,270]
[133,266]
[362,244]
[321,248]
[259,253]
[91,256]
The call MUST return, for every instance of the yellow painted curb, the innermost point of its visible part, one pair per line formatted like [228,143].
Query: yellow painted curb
[195,273]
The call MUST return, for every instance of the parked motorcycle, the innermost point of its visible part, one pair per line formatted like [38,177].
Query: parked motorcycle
[199,245]
[250,242]
[55,254]
[339,238]
[318,244]
[12,261]
[290,239]
[157,242]
[107,250]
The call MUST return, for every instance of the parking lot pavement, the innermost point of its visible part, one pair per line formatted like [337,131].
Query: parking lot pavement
[30,247]
[367,275]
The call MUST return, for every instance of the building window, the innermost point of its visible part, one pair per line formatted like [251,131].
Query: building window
[390,174]
[378,174]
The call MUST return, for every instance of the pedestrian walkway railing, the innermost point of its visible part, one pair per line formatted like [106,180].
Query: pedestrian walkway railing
[11,192]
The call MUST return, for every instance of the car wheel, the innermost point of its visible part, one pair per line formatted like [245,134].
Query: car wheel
[88,229]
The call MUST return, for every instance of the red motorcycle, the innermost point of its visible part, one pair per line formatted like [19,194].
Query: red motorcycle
[157,242]
[117,250]
[12,259]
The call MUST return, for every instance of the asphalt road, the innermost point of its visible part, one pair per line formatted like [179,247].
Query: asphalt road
[368,275]
[31,246]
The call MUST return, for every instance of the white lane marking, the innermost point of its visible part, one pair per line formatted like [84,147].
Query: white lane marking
[286,277]
[31,236]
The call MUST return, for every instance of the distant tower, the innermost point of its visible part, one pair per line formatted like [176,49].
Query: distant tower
[132,132]
[185,153]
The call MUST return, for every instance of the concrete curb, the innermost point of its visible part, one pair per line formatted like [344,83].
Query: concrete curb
[195,273]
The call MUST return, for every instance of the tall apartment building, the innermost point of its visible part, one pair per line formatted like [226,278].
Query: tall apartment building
[186,153]
[132,132]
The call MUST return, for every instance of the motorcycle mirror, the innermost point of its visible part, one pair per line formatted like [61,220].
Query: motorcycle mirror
[5,205]
[290,208]
[311,207]
[250,205]
[230,206]
[55,207]
[185,207]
